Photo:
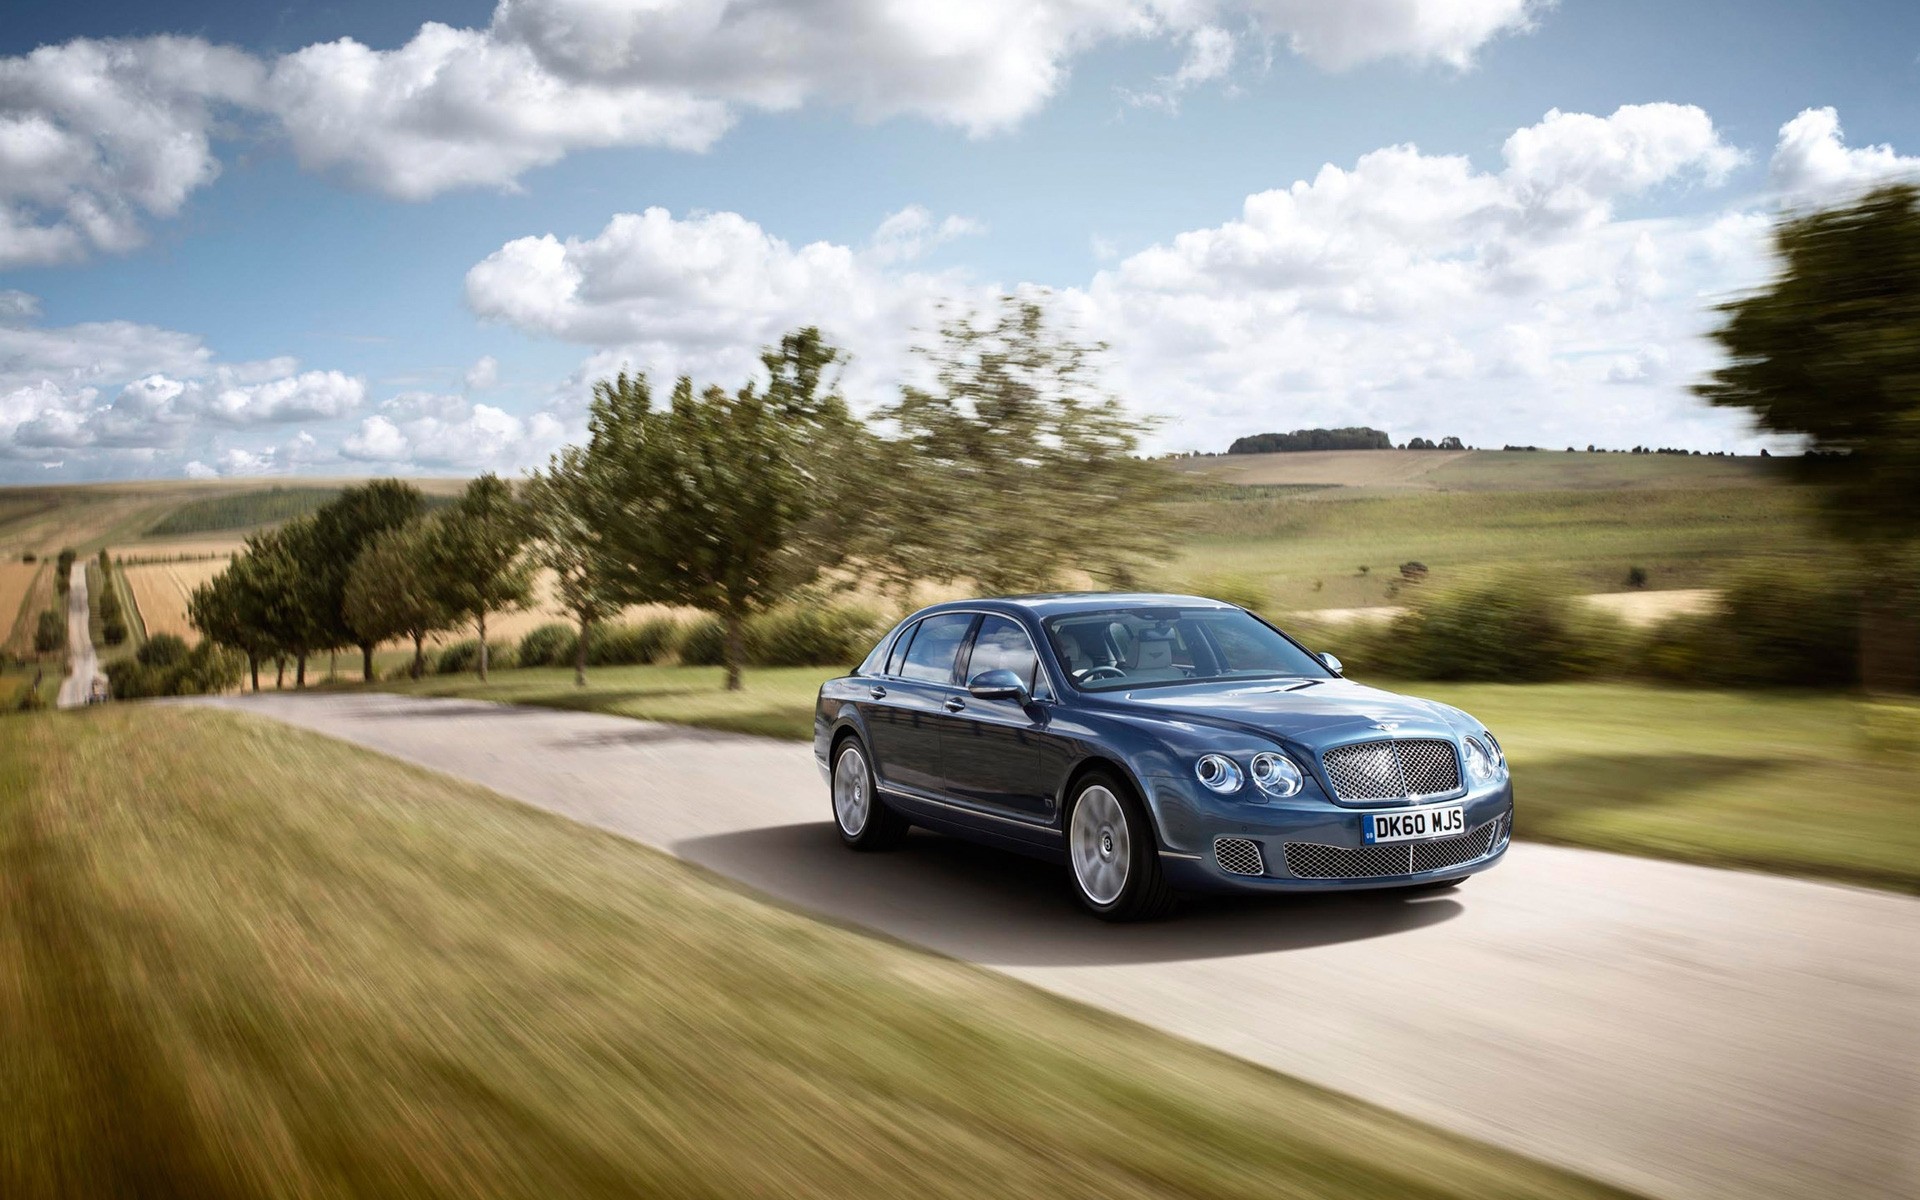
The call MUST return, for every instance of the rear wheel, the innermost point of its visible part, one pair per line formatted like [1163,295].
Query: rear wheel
[1112,852]
[863,819]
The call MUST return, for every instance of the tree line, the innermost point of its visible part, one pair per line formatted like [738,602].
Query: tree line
[1011,468]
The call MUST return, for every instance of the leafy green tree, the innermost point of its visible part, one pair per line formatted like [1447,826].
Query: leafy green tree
[295,617]
[1014,468]
[392,591]
[231,610]
[728,502]
[50,632]
[1830,350]
[342,529]
[477,560]
[571,515]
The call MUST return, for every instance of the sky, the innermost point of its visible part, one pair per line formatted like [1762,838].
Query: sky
[407,237]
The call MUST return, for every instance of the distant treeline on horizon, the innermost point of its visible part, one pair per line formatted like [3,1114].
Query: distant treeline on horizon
[1361,437]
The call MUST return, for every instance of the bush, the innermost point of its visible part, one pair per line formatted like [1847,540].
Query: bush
[630,645]
[702,642]
[113,630]
[1775,626]
[1636,577]
[163,650]
[205,668]
[1513,628]
[465,656]
[550,645]
[811,635]
[50,632]
[27,556]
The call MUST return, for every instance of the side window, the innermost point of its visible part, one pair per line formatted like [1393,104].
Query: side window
[898,653]
[1002,644]
[936,643]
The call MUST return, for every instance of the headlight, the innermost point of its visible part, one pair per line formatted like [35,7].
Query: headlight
[1218,773]
[1276,775]
[1482,764]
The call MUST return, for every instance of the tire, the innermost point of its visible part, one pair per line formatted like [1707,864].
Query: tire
[1113,856]
[859,814]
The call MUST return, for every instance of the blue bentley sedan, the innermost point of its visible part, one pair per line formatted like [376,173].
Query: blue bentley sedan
[1156,744]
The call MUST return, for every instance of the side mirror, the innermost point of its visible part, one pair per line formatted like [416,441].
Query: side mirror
[1000,684]
[1333,664]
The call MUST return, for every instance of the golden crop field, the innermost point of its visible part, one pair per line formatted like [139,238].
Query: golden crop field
[17,581]
[160,591]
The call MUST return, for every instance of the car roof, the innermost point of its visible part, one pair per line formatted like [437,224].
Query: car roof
[1048,604]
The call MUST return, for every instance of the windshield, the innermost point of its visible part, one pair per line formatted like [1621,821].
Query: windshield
[1145,647]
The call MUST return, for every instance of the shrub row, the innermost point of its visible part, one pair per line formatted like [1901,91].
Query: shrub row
[797,636]
[165,666]
[1774,626]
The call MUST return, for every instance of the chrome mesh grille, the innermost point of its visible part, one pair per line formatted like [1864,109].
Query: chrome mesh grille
[1310,860]
[1393,770]
[1238,856]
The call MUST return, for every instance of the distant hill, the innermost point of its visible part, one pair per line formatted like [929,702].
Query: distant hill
[1350,438]
[1477,470]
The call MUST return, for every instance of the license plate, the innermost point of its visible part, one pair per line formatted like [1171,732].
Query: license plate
[1414,824]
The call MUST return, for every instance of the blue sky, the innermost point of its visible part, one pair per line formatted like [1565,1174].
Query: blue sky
[312,281]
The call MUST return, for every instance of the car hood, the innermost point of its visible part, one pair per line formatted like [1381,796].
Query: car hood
[1312,711]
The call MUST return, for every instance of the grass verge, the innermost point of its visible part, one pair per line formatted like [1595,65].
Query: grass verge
[239,959]
[1798,783]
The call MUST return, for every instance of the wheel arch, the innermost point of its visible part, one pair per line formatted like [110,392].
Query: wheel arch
[1113,766]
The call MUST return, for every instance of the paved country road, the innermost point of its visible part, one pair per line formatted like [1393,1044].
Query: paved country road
[81,663]
[1680,1031]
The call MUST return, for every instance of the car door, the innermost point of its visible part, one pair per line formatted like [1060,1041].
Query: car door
[993,753]
[909,703]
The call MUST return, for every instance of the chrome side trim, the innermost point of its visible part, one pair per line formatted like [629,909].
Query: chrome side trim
[922,798]
[1179,855]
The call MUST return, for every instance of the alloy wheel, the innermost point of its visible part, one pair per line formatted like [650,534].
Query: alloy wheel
[1100,845]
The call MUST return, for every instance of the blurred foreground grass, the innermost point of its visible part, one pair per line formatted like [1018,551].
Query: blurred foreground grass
[239,959]
[1803,783]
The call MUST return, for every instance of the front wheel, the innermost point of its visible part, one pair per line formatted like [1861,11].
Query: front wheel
[1111,849]
[863,819]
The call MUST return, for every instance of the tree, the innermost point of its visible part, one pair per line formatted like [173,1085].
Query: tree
[727,502]
[476,559]
[1014,468]
[50,632]
[342,529]
[294,617]
[1830,350]
[392,591]
[571,518]
[232,609]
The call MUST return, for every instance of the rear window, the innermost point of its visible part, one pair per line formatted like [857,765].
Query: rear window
[935,646]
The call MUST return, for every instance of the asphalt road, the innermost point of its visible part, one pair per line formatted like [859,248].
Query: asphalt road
[1680,1031]
[81,663]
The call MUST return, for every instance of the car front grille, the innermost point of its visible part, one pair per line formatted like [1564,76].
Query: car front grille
[1238,856]
[1310,860]
[1393,770]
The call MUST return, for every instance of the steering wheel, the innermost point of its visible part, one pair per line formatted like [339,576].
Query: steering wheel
[1103,671]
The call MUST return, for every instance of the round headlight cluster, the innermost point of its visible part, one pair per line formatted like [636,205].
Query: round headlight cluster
[1218,773]
[1484,765]
[1276,775]
[1273,773]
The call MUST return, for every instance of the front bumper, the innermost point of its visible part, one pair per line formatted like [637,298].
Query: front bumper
[1315,845]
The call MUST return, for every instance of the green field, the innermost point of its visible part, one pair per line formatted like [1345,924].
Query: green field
[1585,519]
[1800,783]
[242,960]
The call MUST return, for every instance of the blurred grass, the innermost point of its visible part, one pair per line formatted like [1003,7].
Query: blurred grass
[239,959]
[1804,783]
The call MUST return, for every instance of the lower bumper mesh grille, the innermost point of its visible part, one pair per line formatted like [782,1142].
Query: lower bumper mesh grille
[1310,860]
[1238,856]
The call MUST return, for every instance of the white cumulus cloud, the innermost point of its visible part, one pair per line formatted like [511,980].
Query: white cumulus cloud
[97,137]
[1813,162]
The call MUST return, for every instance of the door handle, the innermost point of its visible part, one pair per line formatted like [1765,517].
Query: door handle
[877,692]
[955,704]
